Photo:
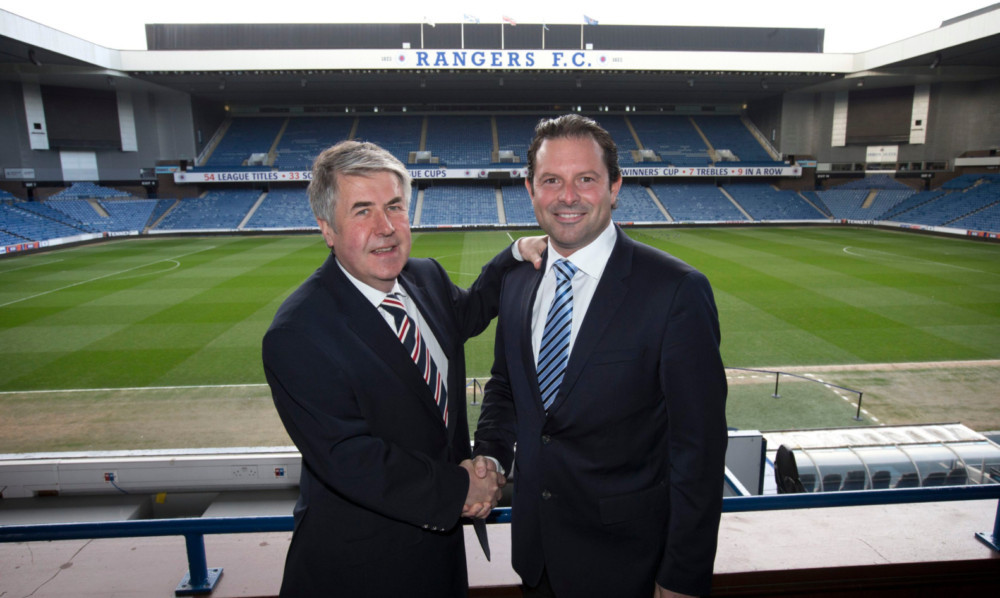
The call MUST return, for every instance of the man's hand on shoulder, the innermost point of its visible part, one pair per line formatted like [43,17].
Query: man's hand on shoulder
[532,248]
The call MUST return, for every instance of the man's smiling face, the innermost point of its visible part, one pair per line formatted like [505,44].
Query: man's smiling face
[571,192]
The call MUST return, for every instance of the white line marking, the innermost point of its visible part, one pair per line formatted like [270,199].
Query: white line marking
[69,286]
[141,274]
[903,258]
[129,389]
[31,266]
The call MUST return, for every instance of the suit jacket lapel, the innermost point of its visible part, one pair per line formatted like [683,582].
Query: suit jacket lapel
[527,292]
[370,328]
[608,297]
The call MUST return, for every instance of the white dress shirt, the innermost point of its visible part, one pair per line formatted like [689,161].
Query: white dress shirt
[591,261]
[376,296]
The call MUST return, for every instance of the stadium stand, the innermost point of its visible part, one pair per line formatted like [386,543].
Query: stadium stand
[30,224]
[635,205]
[968,180]
[987,215]
[129,214]
[875,181]
[673,138]
[764,202]
[400,135]
[89,191]
[697,202]
[212,211]
[950,208]
[306,136]
[514,133]
[850,204]
[412,211]
[162,207]
[45,210]
[621,132]
[82,212]
[915,200]
[282,209]
[245,137]
[517,205]
[729,132]
[462,204]
[460,141]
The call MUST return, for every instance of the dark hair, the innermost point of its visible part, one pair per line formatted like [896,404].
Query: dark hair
[350,158]
[574,125]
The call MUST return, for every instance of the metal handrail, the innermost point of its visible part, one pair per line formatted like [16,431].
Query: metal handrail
[201,580]
[779,374]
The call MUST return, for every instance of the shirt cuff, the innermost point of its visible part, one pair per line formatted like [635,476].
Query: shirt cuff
[495,462]
[517,256]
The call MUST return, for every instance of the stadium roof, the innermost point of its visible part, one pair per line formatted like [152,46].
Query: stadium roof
[476,66]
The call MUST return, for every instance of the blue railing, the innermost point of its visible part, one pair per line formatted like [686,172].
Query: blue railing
[201,579]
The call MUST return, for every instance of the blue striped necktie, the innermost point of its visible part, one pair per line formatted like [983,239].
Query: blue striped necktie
[413,342]
[554,351]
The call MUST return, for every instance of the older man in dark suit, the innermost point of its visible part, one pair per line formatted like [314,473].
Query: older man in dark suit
[366,367]
[607,377]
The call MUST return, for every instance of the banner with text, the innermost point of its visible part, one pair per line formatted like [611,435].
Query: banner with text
[496,173]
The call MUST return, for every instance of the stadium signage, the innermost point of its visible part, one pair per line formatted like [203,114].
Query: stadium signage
[243,177]
[512,173]
[502,59]
[714,171]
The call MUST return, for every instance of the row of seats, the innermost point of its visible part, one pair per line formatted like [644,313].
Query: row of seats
[882,479]
[973,203]
[87,190]
[976,208]
[468,141]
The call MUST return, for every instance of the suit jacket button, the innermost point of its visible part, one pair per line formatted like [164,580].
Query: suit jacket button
[546,495]
[546,438]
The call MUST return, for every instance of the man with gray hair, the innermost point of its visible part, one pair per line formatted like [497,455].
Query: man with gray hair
[366,367]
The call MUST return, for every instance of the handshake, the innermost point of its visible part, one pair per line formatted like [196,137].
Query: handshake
[485,487]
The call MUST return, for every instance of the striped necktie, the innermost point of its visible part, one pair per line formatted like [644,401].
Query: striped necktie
[413,342]
[554,351]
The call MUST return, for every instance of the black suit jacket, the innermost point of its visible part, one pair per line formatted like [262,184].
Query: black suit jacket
[620,483]
[381,492]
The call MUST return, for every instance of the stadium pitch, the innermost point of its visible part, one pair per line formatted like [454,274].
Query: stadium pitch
[155,342]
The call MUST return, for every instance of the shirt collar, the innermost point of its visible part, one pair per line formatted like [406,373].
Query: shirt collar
[373,295]
[592,258]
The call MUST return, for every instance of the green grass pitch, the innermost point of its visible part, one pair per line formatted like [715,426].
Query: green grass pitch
[192,310]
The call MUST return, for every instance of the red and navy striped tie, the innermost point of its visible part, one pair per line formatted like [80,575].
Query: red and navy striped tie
[413,342]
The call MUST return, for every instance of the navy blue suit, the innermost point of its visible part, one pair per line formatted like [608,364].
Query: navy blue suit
[620,484]
[381,491]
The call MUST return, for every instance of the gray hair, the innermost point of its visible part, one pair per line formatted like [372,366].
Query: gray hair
[350,158]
